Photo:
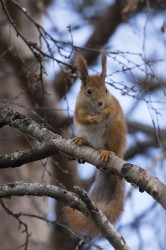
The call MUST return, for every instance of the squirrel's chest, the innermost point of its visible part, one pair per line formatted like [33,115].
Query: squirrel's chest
[95,134]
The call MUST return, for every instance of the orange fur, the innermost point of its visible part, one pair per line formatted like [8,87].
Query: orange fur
[100,123]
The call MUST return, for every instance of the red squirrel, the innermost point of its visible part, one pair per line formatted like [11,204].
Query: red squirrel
[100,123]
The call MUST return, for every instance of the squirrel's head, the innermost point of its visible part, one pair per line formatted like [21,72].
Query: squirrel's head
[93,91]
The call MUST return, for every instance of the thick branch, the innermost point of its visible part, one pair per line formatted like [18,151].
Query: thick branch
[157,137]
[22,188]
[140,148]
[16,159]
[69,198]
[130,172]
[137,126]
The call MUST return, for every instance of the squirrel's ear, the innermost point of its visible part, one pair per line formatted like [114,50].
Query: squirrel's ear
[82,68]
[103,62]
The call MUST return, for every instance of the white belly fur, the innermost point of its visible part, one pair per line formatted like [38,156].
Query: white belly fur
[95,134]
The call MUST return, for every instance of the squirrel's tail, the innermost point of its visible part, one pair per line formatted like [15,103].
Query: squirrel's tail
[110,201]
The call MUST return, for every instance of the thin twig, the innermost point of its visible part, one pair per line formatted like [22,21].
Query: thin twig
[21,223]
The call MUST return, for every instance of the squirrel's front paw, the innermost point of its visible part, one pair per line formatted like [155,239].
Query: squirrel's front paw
[96,118]
[105,155]
[80,141]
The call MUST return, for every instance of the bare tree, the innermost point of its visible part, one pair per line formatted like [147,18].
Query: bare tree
[27,47]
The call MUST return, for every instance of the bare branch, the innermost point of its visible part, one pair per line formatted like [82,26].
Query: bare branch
[130,172]
[140,147]
[21,223]
[101,221]
[114,16]
[21,188]
[16,159]
[137,126]
[35,49]
[69,198]
[83,239]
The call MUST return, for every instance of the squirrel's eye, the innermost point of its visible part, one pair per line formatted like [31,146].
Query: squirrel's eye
[89,91]
[106,90]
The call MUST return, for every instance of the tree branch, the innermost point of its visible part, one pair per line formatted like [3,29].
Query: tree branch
[130,172]
[115,14]
[69,198]
[21,223]
[140,148]
[16,159]
[82,238]
[21,188]
[137,126]
[101,221]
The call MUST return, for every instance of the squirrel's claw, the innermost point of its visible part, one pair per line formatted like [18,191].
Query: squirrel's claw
[105,155]
[80,141]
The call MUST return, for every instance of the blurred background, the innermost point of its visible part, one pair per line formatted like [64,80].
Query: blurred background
[38,42]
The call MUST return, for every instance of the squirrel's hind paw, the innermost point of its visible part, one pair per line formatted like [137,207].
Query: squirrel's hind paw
[105,155]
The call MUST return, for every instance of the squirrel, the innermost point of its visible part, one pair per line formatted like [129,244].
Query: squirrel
[100,123]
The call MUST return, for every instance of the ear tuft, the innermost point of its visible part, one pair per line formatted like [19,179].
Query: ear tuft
[103,62]
[82,68]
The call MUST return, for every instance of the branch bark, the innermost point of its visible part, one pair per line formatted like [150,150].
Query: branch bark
[133,174]
[16,159]
[71,199]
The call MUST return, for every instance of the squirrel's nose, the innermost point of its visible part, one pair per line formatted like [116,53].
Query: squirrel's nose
[100,103]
